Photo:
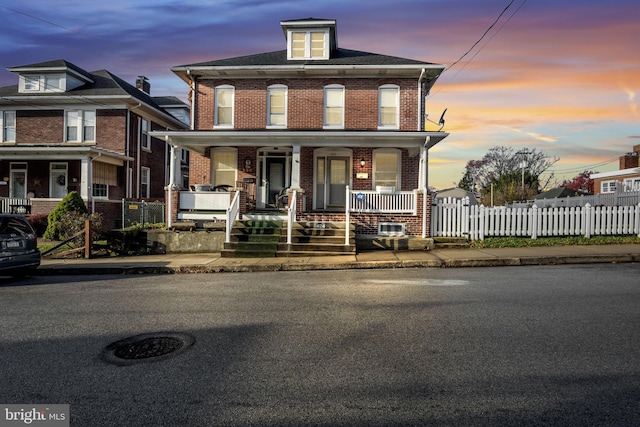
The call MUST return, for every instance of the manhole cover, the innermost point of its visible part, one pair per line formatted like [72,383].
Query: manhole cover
[147,347]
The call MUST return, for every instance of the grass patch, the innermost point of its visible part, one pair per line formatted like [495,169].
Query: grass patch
[523,242]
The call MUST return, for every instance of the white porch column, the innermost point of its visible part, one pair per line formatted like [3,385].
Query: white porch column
[295,166]
[423,182]
[85,175]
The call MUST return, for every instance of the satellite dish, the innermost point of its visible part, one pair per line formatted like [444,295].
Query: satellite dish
[440,122]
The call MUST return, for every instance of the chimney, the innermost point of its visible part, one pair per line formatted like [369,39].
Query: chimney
[629,160]
[143,84]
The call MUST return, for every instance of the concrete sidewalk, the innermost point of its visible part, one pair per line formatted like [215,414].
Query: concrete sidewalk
[440,258]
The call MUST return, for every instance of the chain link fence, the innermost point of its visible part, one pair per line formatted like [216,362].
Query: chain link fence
[142,213]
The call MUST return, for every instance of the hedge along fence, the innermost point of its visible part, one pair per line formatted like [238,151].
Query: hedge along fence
[455,218]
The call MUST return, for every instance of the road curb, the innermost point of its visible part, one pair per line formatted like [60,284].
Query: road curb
[285,266]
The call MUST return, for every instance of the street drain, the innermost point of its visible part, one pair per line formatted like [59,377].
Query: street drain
[147,348]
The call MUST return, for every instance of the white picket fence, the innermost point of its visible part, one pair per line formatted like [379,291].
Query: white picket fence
[455,218]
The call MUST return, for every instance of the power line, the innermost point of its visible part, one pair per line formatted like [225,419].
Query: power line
[483,35]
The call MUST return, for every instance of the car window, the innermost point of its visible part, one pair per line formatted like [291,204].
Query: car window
[14,226]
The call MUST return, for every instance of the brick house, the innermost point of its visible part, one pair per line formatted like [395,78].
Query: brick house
[343,129]
[65,129]
[626,178]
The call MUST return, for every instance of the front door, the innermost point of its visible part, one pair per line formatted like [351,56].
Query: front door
[275,171]
[338,179]
[58,180]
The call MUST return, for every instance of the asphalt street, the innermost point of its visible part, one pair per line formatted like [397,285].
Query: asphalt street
[549,345]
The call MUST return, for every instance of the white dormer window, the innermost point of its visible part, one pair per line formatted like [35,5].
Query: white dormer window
[311,44]
[42,83]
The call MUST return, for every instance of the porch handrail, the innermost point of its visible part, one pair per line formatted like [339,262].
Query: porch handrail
[291,215]
[232,215]
[347,217]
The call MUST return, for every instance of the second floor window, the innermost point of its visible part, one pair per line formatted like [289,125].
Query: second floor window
[224,106]
[334,106]
[277,106]
[80,125]
[8,125]
[388,102]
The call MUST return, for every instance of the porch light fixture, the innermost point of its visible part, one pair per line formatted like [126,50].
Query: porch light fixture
[247,163]
[362,163]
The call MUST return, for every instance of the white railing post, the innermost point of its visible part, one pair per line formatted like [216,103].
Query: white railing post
[587,221]
[291,216]
[637,209]
[534,221]
[347,216]
[232,214]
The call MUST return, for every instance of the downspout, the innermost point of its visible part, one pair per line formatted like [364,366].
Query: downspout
[193,89]
[171,186]
[128,183]
[90,179]
[420,103]
[425,180]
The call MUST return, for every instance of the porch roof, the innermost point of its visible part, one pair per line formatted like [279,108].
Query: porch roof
[57,152]
[198,141]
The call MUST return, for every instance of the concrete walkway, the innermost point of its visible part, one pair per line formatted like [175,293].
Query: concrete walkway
[440,258]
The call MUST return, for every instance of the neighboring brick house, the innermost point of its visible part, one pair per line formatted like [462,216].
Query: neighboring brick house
[627,178]
[65,129]
[314,118]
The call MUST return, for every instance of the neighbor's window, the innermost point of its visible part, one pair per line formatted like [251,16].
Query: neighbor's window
[224,106]
[144,135]
[100,191]
[145,179]
[277,106]
[223,165]
[608,186]
[388,106]
[8,125]
[80,125]
[334,106]
[386,167]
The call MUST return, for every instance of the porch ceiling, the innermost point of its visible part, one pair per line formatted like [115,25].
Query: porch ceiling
[198,141]
[57,152]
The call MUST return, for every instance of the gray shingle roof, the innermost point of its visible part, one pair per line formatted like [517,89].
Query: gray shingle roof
[279,58]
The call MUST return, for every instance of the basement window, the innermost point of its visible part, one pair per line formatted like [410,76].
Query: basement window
[390,229]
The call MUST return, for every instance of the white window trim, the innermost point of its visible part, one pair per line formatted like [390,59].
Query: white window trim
[3,128]
[40,83]
[286,98]
[307,45]
[632,184]
[397,106]
[80,125]
[324,110]
[233,100]
[398,154]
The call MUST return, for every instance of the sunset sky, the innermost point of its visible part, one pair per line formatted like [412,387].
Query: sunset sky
[562,77]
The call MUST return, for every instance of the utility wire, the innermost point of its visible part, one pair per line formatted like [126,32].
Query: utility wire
[482,37]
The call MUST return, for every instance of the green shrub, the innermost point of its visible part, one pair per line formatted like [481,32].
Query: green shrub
[72,202]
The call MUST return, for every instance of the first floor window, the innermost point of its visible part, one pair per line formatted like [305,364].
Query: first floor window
[8,124]
[386,168]
[100,191]
[632,184]
[223,164]
[145,174]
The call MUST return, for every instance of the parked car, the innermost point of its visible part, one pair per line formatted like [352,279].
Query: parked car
[19,253]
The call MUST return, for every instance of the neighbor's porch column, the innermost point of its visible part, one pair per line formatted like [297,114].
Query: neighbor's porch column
[85,174]
[423,169]
[295,167]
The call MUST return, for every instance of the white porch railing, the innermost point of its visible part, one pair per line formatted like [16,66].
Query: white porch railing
[16,205]
[204,200]
[455,218]
[362,201]
[232,214]
[291,215]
